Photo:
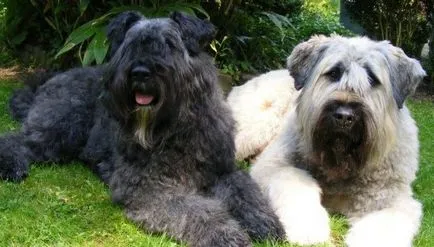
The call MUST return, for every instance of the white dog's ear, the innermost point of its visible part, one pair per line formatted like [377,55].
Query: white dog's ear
[405,73]
[304,58]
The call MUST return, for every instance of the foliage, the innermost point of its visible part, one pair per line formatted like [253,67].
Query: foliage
[5,56]
[310,23]
[230,41]
[93,32]
[430,65]
[256,41]
[32,27]
[253,35]
[260,43]
[35,31]
[324,7]
[403,22]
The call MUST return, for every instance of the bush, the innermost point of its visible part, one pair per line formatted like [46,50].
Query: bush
[429,63]
[403,22]
[253,36]
[35,31]
[263,39]
[257,45]
[310,23]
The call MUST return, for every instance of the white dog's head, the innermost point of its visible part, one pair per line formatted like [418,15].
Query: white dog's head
[352,93]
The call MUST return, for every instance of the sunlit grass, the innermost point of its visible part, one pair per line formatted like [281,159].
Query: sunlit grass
[66,205]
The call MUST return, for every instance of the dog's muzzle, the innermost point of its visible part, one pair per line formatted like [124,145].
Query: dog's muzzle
[144,91]
[343,116]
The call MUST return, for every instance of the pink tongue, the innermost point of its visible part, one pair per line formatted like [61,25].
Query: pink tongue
[143,99]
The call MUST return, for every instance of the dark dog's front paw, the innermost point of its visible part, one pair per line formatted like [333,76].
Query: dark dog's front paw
[228,238]
[14,158]
[262,226]
[228,234]
[13,168]
[15,173]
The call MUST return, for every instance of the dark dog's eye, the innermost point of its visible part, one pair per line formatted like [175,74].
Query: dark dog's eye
[335,73]
[373,79]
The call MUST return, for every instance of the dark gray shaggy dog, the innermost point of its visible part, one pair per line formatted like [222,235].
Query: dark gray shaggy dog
[153,124]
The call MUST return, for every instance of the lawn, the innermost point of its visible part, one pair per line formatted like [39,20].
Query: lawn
[67,205]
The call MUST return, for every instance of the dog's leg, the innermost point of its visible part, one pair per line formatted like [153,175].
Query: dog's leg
[294,194]
[393,226]
[193,219]
[52,131]
[242,196]
[56,129]
[15,157]
[296,198]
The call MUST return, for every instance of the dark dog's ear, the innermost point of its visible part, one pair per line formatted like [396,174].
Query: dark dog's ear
[118,27]
[304,58]
[405,73]
[196,33]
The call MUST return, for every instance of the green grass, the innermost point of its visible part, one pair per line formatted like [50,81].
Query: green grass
[423,112]
[67,205]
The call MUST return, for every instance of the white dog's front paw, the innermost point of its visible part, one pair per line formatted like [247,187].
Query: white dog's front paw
[379,230]
[363,237]
[306,227]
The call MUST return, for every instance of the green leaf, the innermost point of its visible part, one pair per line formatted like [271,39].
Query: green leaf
[77,36]
[91,28]
[50,23]
[88,57]
[99,45]
[278,20]
[189,8]
[83,6]
[18,38]
[86,31]
[97,49]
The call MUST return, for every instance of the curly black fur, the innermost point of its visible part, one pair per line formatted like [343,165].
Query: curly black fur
[22,99]
[152,123]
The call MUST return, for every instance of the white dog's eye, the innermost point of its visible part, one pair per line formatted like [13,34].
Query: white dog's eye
[373,79]
[335,73]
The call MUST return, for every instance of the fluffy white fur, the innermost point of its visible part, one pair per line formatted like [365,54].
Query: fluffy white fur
[259,107]
[379,200]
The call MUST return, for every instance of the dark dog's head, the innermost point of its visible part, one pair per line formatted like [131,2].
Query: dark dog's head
[157,69]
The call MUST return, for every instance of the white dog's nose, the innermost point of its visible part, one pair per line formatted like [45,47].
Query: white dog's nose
[344,116]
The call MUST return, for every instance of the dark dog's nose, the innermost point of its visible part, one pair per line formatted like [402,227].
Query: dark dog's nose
[139,73]
[345,117]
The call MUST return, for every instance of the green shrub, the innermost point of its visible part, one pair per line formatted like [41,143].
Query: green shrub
[263,39]
[257,45]
[253,36]
[33,30]
[403,22]
[92,34]
[40,33]
[310,23]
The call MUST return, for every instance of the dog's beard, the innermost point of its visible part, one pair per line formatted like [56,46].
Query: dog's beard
[337,155]
[143,122]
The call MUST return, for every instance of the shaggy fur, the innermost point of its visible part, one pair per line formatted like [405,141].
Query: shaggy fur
[348,146]
[153,124]
[259,107]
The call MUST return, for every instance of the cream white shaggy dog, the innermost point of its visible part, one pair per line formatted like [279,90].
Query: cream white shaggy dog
[348,146]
